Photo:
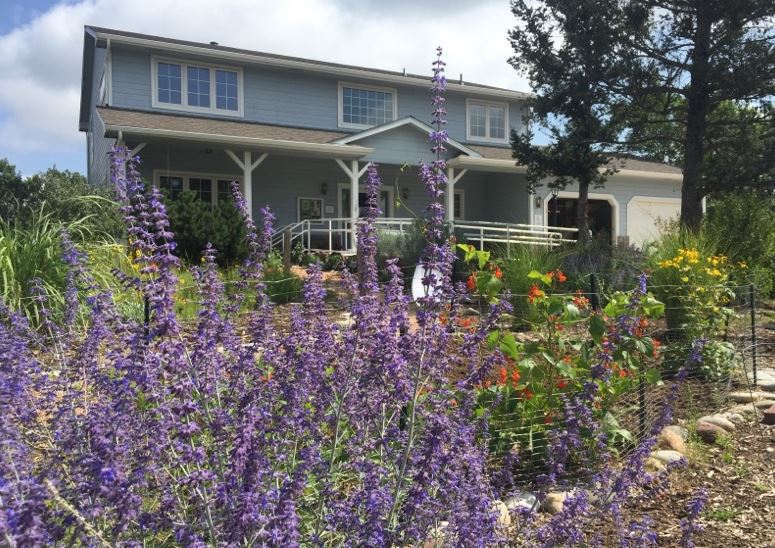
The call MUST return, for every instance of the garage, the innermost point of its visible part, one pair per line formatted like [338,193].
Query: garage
[648,215]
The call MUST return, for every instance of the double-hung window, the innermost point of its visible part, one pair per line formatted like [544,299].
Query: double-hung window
[365,106]
[487,121]
[197,87]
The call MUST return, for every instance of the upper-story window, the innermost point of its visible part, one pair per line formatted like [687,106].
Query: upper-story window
[197,87]
[487,121]
[364,106]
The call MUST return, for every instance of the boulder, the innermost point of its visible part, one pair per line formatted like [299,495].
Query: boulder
[746,396]
[769,416]
[718,420]
[667,456]
[734,418]
[743,409]
[768,385]
[653,465]
[554,501]
[709,432]
[522,501]
[680,430]
[668,439]
[504,516]
[764,404]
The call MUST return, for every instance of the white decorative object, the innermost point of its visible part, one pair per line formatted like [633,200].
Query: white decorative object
[420,290]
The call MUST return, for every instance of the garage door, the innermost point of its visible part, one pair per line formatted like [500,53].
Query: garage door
[647,216]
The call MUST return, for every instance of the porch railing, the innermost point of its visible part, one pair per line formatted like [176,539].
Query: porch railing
[335,235]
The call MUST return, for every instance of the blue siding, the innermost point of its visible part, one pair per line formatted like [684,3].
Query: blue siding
[289,97]
[99,165]
[405,144]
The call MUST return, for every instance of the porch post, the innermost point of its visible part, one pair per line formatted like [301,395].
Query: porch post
[354,209]
[450,197]
[247,165]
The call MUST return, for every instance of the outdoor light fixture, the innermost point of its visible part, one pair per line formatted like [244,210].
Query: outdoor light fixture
[539,202]
[324,188]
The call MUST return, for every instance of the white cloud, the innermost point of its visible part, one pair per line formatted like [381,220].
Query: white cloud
[41,61]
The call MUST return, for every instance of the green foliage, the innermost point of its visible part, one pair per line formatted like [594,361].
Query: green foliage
[282,287]
[524,259]
[406,246]
[64,196]
[195,223]
[31,249]
[743,224]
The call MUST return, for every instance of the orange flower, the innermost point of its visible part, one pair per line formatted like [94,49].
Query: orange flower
[443,319]
[471,282]
[515,377]
[623,373]
[534,293]
[566,358]
[559,326]
[562,384]
[561,277]
[498,273]
[502,376]
[580,300]
[527,394]
[657,344]
[453,402]
[464,322]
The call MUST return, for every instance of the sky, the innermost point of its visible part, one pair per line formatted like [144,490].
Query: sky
[41,47]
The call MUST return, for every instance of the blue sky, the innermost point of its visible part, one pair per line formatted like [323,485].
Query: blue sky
[41,43]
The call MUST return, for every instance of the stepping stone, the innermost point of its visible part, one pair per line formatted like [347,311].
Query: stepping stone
[764,404]
[709,432]
[769,416]
[768,385]
[734,418]
[743,409]
[747,397]
[668,439]
[718,420]
[667,456]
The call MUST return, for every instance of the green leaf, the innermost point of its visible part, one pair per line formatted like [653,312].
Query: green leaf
[652,375]
[492,338]
[596,328]
[508,345]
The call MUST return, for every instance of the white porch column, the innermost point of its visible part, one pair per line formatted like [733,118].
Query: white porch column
[247,165]
[354,174]
[449,198]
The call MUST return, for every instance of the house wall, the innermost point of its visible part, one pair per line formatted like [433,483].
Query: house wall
[97,144]
[622,189]
[290,97]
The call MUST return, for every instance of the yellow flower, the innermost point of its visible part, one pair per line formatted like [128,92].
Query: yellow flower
[742,264]
[685,279]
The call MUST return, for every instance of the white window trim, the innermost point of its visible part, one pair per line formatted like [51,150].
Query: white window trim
[186,175]
[462,193]
[184,106]
[362,188]
[340,105]
[487,105]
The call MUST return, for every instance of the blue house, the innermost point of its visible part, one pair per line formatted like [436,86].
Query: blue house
[298,133]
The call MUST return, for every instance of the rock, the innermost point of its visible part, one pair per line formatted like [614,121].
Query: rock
[504,516]
[769,416]
[743,409]
[764,404]
[746,396]
[680,430]
[666,456]
[718,420]
[709,432]
[554,501]
[436,536]
[522,501]
[734,418]
[653,465]
[668,439]
[768,385]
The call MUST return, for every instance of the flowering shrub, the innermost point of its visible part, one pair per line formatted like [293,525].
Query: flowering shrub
[697,292]
[568,340]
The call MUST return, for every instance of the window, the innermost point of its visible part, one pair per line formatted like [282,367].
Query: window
[212,189]
[310,208]
[487,121]
[365,106]
[197,87]
[459,207]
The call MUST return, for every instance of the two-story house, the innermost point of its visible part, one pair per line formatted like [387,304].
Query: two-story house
[298,133]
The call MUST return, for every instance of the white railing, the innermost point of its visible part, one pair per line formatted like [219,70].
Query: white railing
[484,232]
[338,233]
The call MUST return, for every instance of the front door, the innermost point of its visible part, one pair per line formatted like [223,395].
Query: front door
[385,202]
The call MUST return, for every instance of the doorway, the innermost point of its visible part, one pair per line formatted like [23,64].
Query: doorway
[562,212]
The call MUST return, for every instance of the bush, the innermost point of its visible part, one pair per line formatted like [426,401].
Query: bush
[525,259]
[406,246]
[745,224]
[196,223]
[281,287]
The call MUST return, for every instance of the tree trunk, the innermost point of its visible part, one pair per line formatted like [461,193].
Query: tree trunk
[582,222]
[697,107]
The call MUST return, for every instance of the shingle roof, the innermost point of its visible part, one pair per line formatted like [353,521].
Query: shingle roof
[152,120]
[622,162]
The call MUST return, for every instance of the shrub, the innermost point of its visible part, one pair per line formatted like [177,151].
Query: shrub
[281,287]
[405,246]
[525,259]
[196,223]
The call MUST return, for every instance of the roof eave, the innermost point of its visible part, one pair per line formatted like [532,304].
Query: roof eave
[311,66]
[510,166]
[326,150]
[87,78]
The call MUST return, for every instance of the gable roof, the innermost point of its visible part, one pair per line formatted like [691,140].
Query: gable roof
[270,138]
[408,121]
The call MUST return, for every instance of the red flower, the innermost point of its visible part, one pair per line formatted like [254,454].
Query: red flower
[527,393]
[498,273]
[502,376]
[471,282]
[515,377]
[562,384]
[534,293]
[561,277]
